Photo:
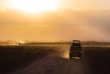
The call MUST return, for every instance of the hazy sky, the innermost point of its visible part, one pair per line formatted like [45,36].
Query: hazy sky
[82,4]
[85,4]
[90,22]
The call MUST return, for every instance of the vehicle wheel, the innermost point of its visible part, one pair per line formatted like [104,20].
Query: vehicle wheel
[70,57]
[80,57]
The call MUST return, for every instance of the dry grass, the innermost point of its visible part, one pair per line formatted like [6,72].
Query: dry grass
[99,59]
[14,57]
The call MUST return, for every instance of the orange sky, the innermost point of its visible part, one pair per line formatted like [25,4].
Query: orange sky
[61,24]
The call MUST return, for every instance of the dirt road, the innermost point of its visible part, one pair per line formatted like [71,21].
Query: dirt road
[57,63]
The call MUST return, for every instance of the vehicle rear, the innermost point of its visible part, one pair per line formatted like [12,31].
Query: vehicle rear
[75,50]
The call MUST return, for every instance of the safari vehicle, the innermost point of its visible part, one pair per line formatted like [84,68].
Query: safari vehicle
[75,49]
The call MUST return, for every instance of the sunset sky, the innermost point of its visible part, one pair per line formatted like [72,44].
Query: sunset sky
[54,20]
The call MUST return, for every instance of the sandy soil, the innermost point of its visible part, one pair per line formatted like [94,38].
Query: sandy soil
[57,63]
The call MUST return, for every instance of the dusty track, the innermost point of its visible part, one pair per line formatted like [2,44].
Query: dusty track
[57,63]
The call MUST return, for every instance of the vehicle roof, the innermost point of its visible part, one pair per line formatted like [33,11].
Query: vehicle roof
[76,40]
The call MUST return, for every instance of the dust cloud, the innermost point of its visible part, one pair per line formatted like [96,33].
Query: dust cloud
[63,24]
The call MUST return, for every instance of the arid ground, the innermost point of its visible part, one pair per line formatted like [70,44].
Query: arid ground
[54,59]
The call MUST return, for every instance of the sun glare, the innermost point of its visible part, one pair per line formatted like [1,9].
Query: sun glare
[33,5]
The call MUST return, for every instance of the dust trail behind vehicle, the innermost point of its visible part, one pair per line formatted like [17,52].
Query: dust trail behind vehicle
[57,63]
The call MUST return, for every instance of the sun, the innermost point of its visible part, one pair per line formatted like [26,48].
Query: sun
[33,5]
